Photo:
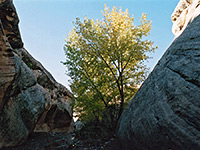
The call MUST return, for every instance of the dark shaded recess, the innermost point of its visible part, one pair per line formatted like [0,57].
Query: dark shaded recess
[62,119]
[50,113]
[26,115]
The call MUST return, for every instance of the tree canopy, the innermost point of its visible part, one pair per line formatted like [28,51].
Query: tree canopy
[105,60]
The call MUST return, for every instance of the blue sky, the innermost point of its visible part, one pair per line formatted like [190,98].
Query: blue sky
[44,25]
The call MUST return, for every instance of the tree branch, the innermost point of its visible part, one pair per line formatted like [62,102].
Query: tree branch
[95,87]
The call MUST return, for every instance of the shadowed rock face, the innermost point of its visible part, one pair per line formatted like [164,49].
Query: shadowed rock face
[10,22]
[30,98]
[165,112]
[7,66]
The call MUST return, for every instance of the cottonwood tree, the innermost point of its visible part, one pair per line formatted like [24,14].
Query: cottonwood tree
[105,60]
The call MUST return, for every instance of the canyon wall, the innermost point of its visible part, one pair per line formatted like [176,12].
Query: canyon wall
[30,98]
[165,112]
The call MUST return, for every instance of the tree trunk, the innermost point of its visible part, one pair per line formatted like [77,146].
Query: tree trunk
[122,99]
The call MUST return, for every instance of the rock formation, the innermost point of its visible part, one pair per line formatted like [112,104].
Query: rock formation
[165,112]
[30,98]
[184,13]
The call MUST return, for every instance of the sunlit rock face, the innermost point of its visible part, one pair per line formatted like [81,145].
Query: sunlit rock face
[165,112]
[184,14]
[30,98]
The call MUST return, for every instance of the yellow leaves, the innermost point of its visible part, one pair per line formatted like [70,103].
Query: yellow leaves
[99,52]
[85,20]
[144,17]
[113,37]
[118,22]
[145,26]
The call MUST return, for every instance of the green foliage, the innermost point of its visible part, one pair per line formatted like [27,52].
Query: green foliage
[105,60]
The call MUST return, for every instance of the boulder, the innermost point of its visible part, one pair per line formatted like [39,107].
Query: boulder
[30,98]
[165,112]
[79,125]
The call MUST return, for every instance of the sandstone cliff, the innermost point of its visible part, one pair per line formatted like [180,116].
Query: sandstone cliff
[165,112]
[30,98]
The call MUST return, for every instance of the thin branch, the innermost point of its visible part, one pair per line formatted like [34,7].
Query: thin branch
[126,63]
[95,87]
[103,60]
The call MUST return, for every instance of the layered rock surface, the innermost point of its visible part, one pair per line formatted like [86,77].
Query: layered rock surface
[165,112]
[30,98]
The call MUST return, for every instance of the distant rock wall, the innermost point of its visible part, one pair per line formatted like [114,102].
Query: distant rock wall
[165,112]
[30,98]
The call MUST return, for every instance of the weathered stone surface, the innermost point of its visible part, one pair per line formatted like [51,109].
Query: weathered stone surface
[165,112]
[58,98]
[184,13]
[10,20]
[7,66]
[30,98]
